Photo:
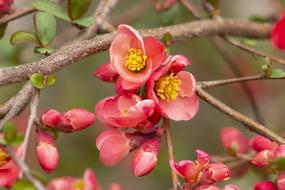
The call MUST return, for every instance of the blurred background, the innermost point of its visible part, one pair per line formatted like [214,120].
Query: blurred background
[76,87]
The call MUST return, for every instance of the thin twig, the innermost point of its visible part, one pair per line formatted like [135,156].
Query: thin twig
[16,14]
[249,123]
[32,120]
[166,127]
[25,169]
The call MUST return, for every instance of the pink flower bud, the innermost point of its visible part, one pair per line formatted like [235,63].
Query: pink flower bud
[277,34]
[281,181]
[260,143]
[186,169]
[113,146]
[90,181]
[64,183]
[79,118]
[106,72]
[264,185]
[231,187]
[114,186]
[207,187]
[262,159]
[279,152]
[146,158]
[233,141]
[5,6]
[179,62]
[46,151]
[215,172]
[51,118]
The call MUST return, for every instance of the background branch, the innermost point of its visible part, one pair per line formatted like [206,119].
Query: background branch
[16,14]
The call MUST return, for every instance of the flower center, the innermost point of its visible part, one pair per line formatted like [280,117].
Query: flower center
[3,157]
[167,87]
[135,60]
[79,184]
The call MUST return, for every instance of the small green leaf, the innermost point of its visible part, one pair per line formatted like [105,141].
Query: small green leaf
[280,164]
[45,27]
[168,17]
[2,30]
[167,39]
[86,21]
[249,42]
[11,135]
[23,185]
[214,3]
[38,80]
[277,73]
[21,37]
[256,18]
[44,50]
[267,60]
[51,80]
[51,8]
[77,8]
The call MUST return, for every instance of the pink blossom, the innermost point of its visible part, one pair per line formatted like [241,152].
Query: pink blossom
[233,141]
[281,181]
[124,111]
[51,118]
[262,159]
[135,58]
[146,158]
[46,150]
[5,6]
[113,146]
[215,172]
[231,187]
[278,34]
[264,185]
[114,186]
[173,90]
[106,72]
[260,143]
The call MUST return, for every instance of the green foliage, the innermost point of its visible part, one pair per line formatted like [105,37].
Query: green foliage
[267,69]
[167,39]
[44,50]
[38,80]
[21,37]
[86,21]
[45,28]
[280,164]
[168,17]
[22,184]
[51,80]
[11,136]
[257,18]
[277,73]
[77,8]
[249,42]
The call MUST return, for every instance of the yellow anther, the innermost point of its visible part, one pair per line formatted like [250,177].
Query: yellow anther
[167,87]
[78,184]
[3,157]
[125,112]
[135,60]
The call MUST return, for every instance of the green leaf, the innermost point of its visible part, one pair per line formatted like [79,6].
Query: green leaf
[86,21]
[23,185]
[214,3]
[21,37]
[167,39]
[168,17]
[44,50]
[45,27]
[38,80]
[249,42]
[280,164]
[51,8]
[77,8]
[11,135]
[277,73]
[256,18]
[51,80]
[2,30]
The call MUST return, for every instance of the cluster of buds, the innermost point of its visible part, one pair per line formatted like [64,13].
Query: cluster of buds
[260,151]
[149,86]
[201,174]
[5,6]
[88,182]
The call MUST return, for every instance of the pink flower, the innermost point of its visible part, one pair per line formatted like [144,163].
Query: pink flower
[113,146]
[51,118]
[173,90]
[233,141]
[260,143]
[278,33]
[124,111]
[5,6]
[215,172]
[264,185]
[135,58]
[106,72]
[146,158]
[46,150]
[263,158]
[281,181]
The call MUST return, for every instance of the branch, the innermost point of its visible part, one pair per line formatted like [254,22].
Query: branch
[249,123]
[82,49]
[16,14]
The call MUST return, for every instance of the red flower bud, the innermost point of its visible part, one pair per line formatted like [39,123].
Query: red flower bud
[113,146]
[262,159]
[215,172]
[279,152]
[79,118]
[106,72]
[233,141]
[264,185]
[277,34]
[281,181]
[51,118]
[5,6]
[146,158]
[46,151]
[260,143]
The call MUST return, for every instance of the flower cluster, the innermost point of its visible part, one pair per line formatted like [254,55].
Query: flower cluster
[5,6]
[201,174]
[149,85]
[260,152]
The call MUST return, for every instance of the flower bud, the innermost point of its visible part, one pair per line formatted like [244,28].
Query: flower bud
[114,186]
[106,72]
[207,187]
[231,187]
[262,159]
[64,183]
[260,143]
[51,118]
[281,181]
[279,152]
[203,158]
[186,169]
[5,6]
[179,62]
[113,146]
[46,151]
[146,158]
[215,172]
[264,185]
[233,141]
[90,181]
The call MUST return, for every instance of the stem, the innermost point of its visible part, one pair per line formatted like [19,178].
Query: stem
[25,169]
[166,127]
[16,14]
[246,121]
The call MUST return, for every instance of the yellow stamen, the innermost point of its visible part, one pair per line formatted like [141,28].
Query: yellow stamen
[78,184]
[135,60]
[3,157]
[168,87]
[125,112]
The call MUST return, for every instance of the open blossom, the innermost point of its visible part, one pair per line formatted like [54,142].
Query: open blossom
[173,90]
[233,141]
[75,119]
[5,6]
[113,146]
[124,111]
[133,58]
[278,34]
[88,182]
[215,172]
[46,151]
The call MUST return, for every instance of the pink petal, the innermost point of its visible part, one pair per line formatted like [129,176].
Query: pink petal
[119,48]
[106,72]
[203,158]
[123,86]
[188,84]
[136,38]
[100,111]
[185,168]
[178,63]
[90,181]
[143,163]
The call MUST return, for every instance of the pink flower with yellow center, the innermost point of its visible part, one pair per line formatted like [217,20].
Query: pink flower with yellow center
[173,90]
